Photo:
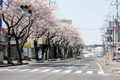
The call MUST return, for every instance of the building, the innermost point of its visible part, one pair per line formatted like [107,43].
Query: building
[66,21]
[3,45]
[29,50]
[89,48]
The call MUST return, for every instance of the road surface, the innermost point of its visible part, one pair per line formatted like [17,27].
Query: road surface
[71,69]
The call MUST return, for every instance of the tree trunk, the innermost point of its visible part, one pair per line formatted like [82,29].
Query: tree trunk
[36,50]
[55,51]
[9,61]
[65,52]
[60,52]
[47,51]
[18,51]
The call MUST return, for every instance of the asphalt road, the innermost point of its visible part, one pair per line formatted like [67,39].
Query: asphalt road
[71,69]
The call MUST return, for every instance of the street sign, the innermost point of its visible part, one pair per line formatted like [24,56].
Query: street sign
[27,45]
[118,24]
[113,45]
[113,24]
[1,3]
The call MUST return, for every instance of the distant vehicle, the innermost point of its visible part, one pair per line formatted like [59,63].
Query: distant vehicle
[99,55]
[116,56]
[86,55]
[91,54]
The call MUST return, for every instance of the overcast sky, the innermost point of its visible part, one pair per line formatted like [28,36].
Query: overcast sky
[86,14]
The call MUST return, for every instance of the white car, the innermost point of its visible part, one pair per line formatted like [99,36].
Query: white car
[91,54]
[86,55]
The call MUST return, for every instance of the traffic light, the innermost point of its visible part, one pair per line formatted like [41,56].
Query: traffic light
[26,9]
[30,9]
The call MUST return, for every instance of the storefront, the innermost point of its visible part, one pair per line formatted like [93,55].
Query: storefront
[1,56]
[3,51]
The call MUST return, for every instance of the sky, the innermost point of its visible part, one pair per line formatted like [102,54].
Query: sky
[85,14]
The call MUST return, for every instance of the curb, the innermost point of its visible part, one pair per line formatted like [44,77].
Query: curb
[8,65]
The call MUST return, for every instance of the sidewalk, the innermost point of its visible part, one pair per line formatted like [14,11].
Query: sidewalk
[15,64]
[113,66]
[26,62]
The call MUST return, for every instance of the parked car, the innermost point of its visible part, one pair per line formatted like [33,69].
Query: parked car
[116,56]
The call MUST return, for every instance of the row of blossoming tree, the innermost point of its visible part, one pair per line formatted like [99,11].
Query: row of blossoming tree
[42,22]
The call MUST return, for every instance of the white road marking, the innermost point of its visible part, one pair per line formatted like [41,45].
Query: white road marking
[34,70]
[24,70]
[92,69]
[46,70]
[89,72]
[71,67]
[84,67]
[101,70]
[13,69]
[78,71]
[118,71]
[55,71]
[8,69]
[1,69]
[67,71]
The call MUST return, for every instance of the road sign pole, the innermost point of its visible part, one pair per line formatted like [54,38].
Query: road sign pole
[1,5]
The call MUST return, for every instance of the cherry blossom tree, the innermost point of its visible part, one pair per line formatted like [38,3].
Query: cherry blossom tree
[21,26]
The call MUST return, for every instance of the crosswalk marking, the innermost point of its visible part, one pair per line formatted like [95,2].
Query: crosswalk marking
[55,71]
[78,71]
[34,70]
[11,69]
[24,70]
[100,72]
[67,71]
[15,69]
[46,70]
[7,69]
[89,72]
[1,69]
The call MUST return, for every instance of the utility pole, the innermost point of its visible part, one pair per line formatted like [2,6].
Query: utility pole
[117,30]
[49,2]
[1,6]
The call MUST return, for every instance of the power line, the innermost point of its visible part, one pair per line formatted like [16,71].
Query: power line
[60,10]
[89,29]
